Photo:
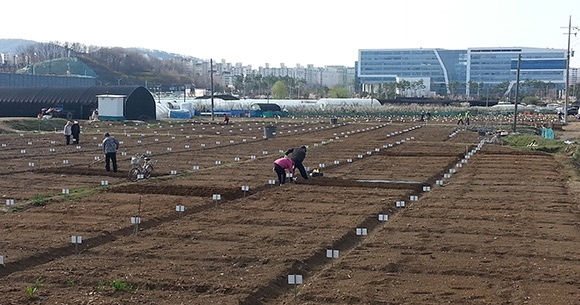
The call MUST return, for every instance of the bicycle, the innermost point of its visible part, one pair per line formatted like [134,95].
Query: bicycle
[142,167]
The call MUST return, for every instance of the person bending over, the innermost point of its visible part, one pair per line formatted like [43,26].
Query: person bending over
[282,165]
[298,155]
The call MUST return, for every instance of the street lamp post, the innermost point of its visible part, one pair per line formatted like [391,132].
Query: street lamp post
[566,98]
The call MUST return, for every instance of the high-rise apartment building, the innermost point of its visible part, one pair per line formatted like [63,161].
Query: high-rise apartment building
[445,69]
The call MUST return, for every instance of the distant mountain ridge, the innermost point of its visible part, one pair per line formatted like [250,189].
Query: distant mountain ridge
[13,46]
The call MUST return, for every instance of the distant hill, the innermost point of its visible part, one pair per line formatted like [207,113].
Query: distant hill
[157,53]
[14,45]
[110,66]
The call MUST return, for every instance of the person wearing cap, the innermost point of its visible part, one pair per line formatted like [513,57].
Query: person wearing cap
[298,155]
[67,131]
[110,147]
[76,132]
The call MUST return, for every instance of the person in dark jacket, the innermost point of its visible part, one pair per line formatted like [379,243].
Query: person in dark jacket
[297,155]
[76,132]
[110,147]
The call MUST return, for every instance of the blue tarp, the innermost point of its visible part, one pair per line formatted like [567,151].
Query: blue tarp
[180,114]
[547,133]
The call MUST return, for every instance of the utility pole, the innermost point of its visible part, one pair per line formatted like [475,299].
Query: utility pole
[211,79]
[566,97]
[517,92]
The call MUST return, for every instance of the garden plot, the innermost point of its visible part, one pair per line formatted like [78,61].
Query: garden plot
[241,248]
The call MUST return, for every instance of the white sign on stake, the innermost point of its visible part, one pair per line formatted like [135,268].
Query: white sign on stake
[76,239]
[9,201]
[237,159]
[264,152]
[217,197]
[64,161]
[186,146]
[360,156]
[253,157]
[271,182]
[439,182]
[65,191]
[2,260]
[104,182]
[336,162]
[447,176]
[348,160]
[135,220]
[173,172]
[383,217]
[196,167]
[426,188]
[180,208]
[218,162]
[23,151]
[413,198]
[123,153]
[245,188]
[400,204]
[31,164]
[361,231]
[321,165]
[140,176]
[332,253]
[295,279]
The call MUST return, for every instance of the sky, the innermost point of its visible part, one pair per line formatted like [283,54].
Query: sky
[318,32]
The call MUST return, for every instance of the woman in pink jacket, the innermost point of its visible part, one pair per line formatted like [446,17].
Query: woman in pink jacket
[280,167]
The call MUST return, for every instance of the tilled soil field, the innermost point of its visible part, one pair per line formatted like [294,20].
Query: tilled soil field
[405,213]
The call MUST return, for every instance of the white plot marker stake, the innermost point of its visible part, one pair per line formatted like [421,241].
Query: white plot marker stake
[295,279]
[216,198]
[180,209]
[76,240]
[332,253]
[271,182]
[361,231]
[245,189]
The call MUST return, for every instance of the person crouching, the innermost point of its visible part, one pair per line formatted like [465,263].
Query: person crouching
[282,165]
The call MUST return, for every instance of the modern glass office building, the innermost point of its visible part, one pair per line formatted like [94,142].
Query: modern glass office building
[487,67]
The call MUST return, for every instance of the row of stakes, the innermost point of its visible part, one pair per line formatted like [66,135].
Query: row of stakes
[173,137]
[271,182]
[297,279]
[293,279]
[97,158]
[218,162]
